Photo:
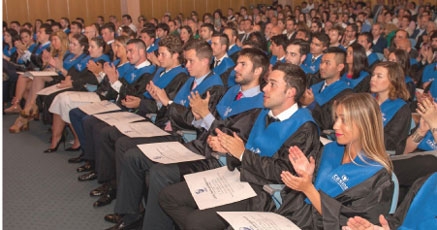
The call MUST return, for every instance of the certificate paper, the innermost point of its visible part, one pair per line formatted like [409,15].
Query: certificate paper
[218,187]
[141,129]
[84,97]
[51,89]
[118,117]
[169,152]
[99,107]
[257,221]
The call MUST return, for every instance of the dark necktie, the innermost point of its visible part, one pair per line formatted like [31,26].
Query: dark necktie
[216,62]
[270,120]
[313,59]
[239,96]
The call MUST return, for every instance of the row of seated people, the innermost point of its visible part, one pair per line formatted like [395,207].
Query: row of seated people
[181,117]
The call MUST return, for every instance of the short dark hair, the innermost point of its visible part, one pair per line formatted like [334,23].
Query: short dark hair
[47,28]
[294,77]
[224,40]
[202,48]
[78,24]
[323,38]
[163,26]
[304,46]
[173,44]
[138,43]
[149,31]
[209,26]
[340,54]
[369,37]
[258,58]
[109,25]
[280,40]
[127,16]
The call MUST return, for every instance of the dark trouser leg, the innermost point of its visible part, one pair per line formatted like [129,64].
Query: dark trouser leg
[160,176]
[105,153]
[76,117]
[90,124]
[179,204]
[130,187]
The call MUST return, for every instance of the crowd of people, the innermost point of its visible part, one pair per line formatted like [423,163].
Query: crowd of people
[258,87]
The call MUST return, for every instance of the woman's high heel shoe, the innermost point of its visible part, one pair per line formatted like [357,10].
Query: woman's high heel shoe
[21,124]
[34,112]
[50,150]
[14,108]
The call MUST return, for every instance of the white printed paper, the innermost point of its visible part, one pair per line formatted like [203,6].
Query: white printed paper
[118,117]
[40,73]
[169,152]
[51,89]
[218,187]
[84,97]
[257,221]
[99,107]
[141,129]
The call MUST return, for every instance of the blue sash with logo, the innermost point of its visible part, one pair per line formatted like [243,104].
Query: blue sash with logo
[124,69]
[182,96]
[165,79]
[69,60]
[8,52]
[423,209]
[152,48]
[228,106]
[231,79]
[329,92]
[428,142]
[312,66]
[333,178]
[233,50]
[389,108]
[224,65]
[354,82]
[429,72]
[42,48]
[266,141]
[132,76]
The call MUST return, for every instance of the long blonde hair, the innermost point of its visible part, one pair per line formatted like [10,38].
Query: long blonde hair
[64,45]
[362,110]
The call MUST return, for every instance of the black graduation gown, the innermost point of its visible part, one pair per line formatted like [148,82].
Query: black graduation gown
[396,220]
[397,129]
[363,86]
[181,117]
[136,88]
[368,200]
[323,114]
[149,105]
[240,123]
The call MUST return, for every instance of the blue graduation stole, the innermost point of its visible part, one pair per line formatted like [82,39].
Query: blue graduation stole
[423,209]
[354,82]
[8,52]
[313,67]
[81,65]
[413,61]
[429,72]
[165,79]
[408,79]
[116,62]
[152,48]
[125,69]
[233,50]
[70,62]
[274,59]
[228,106]
[372,58]
[428,142]
[67,31]
[210,81]
[135,74]
[266,141]
[224,65]
[231,79]
[329,92]
[42,48]
[333,178]
[156,42]
[389,108]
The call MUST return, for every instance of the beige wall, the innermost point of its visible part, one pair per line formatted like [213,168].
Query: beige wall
[29,10]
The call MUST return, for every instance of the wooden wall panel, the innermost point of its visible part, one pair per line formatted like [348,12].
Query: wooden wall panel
[78,9]
[29,10]
[38,9]
[112,7]
[187,7]
[58,9]
[95,8]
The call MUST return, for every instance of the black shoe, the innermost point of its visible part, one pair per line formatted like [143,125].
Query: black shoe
[107,198]
[100,190]
[113,218]
[77,159]
[87,167]
[71,149]
[51,150]
[88,176]
[121,225]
